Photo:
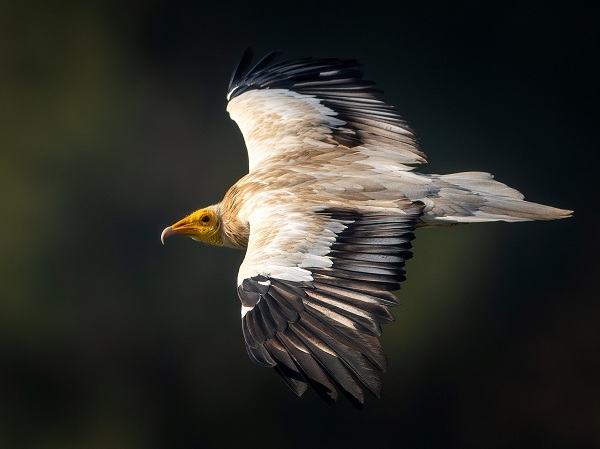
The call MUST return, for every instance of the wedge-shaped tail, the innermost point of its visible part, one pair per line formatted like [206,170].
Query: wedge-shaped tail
[470,197]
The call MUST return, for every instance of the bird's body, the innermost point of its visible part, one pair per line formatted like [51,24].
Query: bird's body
[327,214]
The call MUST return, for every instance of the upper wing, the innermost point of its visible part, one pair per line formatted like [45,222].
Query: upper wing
[312,103]
[315,287]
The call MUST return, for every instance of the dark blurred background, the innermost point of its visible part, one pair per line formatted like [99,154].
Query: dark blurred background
[113,126]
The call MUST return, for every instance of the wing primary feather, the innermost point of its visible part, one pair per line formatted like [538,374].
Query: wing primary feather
[255,325]
[279,352]
[241,68]
[264,319]
[298,386]
[265,61]
[288,310]
[311,370]
[286,367]
[240,80]
[260,356]
[365,344]
[280,317]
[330,363]
[352,358]
[248,337]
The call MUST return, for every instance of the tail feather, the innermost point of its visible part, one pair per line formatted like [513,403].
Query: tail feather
[476,197]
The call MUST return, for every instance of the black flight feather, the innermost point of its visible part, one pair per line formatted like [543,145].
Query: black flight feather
[324,333]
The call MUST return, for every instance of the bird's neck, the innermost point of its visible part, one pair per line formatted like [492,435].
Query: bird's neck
[234,232]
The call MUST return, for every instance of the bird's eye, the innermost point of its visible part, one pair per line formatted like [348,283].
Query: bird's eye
[205,219]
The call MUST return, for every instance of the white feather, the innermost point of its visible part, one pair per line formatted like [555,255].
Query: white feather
[275,121]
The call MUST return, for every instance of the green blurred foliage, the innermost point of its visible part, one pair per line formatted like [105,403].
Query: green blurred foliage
[113,125]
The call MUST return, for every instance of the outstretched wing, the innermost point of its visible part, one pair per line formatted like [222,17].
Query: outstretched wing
[315,287]
[282,107]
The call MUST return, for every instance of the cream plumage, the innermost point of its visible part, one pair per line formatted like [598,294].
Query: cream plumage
[327,214]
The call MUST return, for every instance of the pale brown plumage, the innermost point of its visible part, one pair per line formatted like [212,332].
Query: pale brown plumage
[327,214]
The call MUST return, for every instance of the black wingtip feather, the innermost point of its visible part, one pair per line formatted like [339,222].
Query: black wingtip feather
[241,68]
[307,74]
[311,370]
[361,369]
[330,364]
[292,379]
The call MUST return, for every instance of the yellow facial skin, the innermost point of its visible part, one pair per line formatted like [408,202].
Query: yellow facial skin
[203,225]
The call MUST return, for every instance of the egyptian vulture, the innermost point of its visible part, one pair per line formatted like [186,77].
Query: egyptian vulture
[326,215]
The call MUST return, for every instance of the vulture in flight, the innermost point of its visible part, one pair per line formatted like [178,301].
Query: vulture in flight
[327,214]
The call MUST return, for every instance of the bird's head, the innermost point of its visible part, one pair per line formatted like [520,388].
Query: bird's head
[203,225]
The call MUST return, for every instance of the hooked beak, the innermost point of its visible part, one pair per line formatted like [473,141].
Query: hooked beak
[184,227]
[166,233]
